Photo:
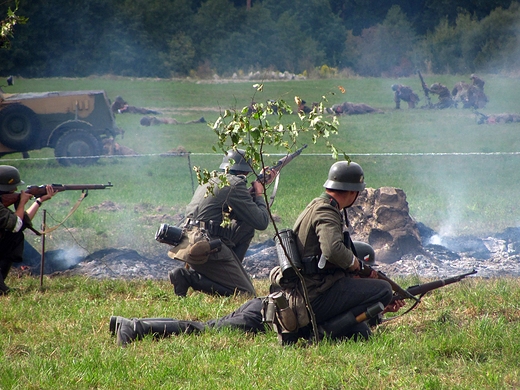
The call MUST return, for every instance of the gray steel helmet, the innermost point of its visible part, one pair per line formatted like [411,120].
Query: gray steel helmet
[365,252]
[395,87]
[240,163]
[345,176]
[9,178]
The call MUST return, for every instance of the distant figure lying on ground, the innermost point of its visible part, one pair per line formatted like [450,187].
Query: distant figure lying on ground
[153,121]
[121,106]
[112,148]
[497,118]
[348,108]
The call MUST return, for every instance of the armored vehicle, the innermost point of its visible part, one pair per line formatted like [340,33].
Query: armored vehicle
[73,123]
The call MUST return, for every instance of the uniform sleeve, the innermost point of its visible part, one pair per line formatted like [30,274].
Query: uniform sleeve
[252,210]
[8,219]
[328,227]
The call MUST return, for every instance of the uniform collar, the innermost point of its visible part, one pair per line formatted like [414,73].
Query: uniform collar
[333,202]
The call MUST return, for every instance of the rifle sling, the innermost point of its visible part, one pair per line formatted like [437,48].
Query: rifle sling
[74,208]
[275,188]
[407,311]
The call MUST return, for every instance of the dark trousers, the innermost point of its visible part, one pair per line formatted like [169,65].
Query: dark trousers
[351,294]
[247,317]
[11,251]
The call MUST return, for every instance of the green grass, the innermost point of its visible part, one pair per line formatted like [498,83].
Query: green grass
[464,336]
[459,177]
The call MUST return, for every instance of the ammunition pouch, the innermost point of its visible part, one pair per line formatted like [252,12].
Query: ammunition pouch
[283,314]
[190,244]
[285,311]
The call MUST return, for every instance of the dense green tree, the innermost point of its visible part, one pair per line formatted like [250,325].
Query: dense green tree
[385,48]
[161,38]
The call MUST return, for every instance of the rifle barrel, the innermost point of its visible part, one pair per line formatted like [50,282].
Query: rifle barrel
[422,289]
[41,190]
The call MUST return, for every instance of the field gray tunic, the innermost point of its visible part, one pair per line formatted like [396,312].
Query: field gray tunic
[333,291]
[247,213]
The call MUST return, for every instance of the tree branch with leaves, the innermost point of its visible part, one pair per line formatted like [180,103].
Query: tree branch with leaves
[7,26]
[258,127]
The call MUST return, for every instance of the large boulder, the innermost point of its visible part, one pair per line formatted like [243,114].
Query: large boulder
[381,218]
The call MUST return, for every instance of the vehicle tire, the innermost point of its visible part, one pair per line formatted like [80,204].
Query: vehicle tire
[75,144]
[19,127]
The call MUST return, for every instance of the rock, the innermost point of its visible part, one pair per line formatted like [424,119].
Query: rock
[381,218]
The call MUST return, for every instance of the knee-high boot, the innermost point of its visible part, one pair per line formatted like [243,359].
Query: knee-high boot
[135,329]
[182,279]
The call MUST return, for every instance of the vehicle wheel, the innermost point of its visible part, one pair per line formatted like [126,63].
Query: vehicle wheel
[18,127]
[75,144]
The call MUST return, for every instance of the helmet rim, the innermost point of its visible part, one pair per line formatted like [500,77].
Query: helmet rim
[9,178]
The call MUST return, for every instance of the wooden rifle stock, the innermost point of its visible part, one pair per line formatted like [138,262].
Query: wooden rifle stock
[365,271]
[38,191]
[271,172]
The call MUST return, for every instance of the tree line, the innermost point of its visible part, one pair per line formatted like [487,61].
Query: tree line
[178,38]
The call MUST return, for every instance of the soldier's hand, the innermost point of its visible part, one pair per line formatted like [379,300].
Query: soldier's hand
[50,193]
[258,188]
[355,266]
[394,306]
[24,197]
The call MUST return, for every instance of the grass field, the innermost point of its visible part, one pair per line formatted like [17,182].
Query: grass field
[459,177]
[464,336]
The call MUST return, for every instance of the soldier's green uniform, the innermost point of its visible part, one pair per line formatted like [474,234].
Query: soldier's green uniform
[223,273]
[445,100]
[403,92]
[13,223]
[333,290]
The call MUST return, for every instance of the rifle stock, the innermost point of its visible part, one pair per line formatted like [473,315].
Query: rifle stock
[37,191]
[270,172]
[366,270]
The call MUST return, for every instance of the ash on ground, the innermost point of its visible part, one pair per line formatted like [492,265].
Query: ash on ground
[493,256]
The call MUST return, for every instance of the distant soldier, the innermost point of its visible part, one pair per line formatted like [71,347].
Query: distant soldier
[405,93]
[121,106]
[303,107]
[469,95]
[348,108]
[445,100]
[497,118]
[477,82]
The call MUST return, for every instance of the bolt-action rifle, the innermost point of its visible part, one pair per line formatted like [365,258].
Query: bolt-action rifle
[366,270]
[425,89]
[13,198]
[422,289]
[271,173]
